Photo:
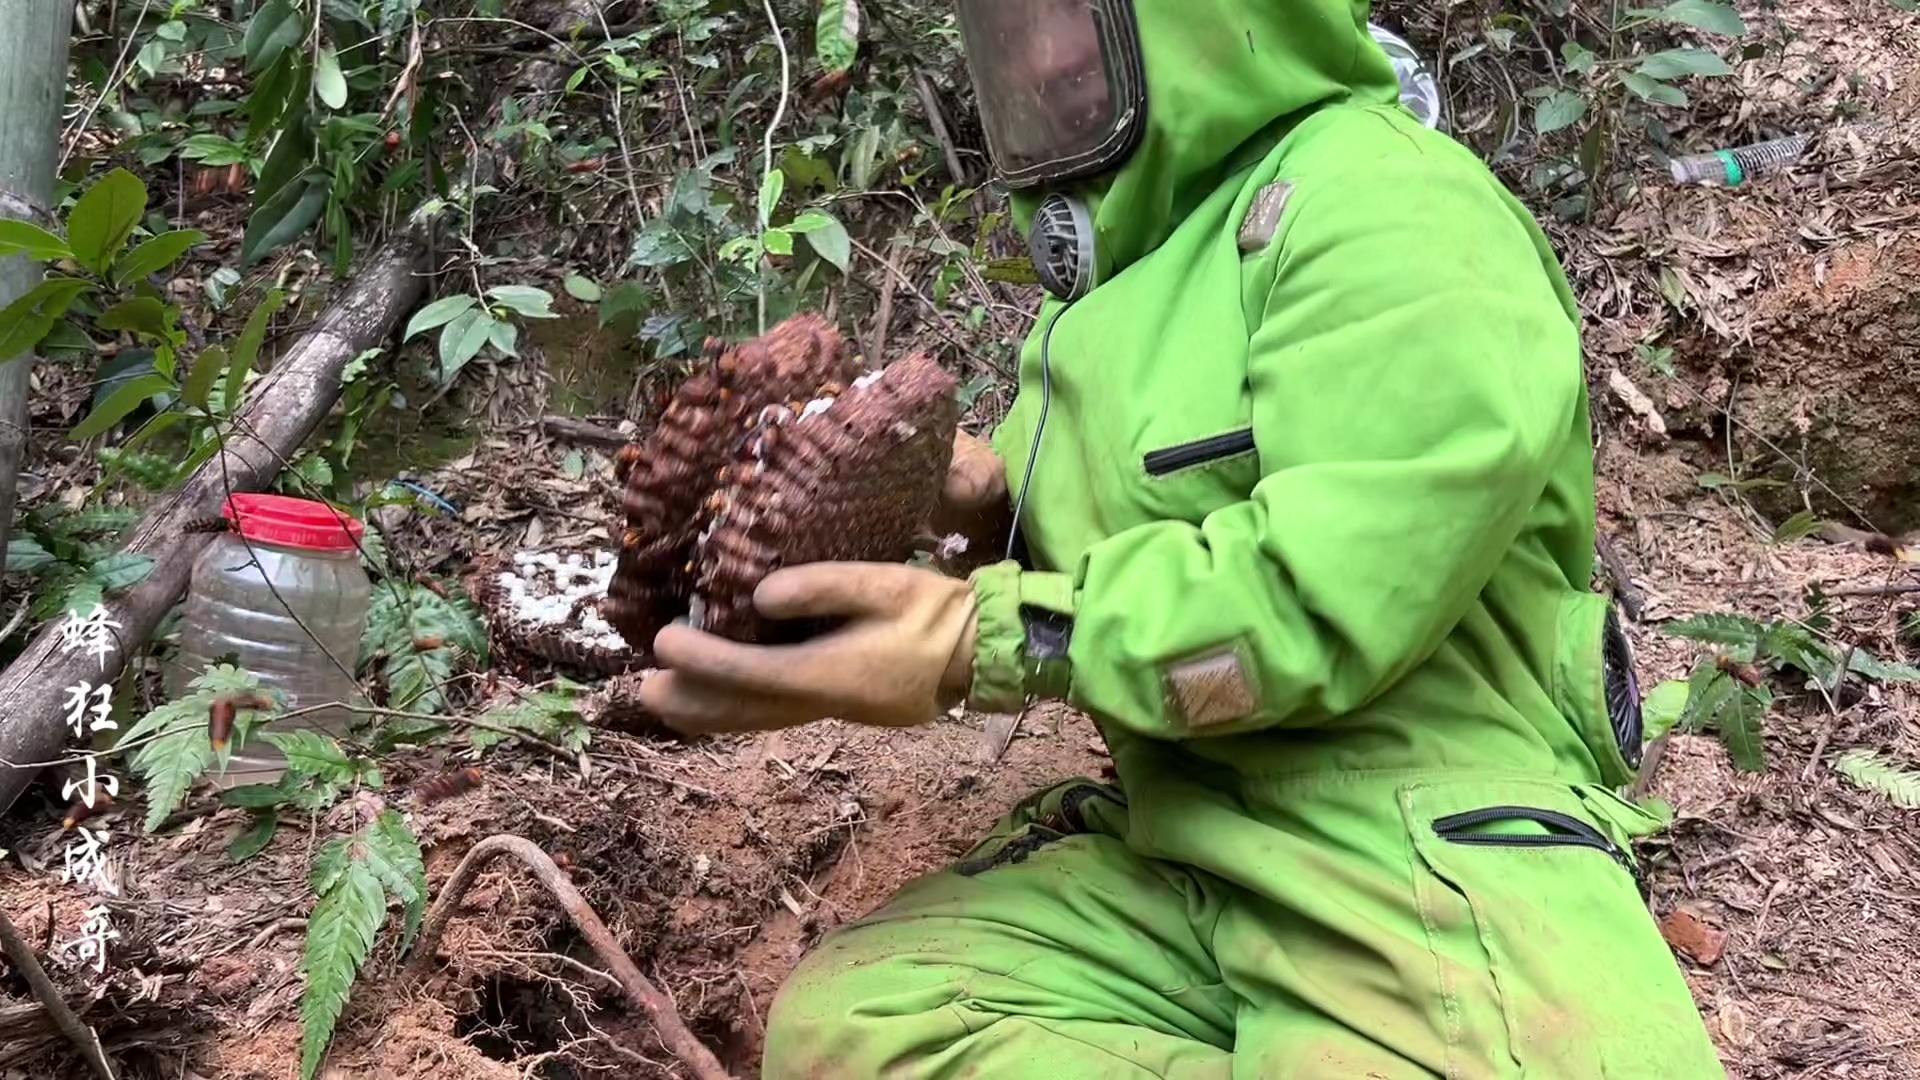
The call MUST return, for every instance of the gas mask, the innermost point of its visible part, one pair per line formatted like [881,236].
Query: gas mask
[1063,97]
[1062,93]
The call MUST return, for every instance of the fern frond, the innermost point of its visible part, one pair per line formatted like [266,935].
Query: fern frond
[169,745]
[553,715]
[1719,629]
[1739,725]
[1708,691]
[1796,645]
[310,753]
[393,853]
[340,934]
[1872,772]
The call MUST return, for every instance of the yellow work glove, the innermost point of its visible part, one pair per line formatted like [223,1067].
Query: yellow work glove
[974,504]
[902,656]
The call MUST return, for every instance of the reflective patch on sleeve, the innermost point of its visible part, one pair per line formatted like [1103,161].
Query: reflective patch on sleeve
[1211,690]
[1263,217]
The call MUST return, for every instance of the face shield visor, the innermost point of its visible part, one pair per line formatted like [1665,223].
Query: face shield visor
[1061,88]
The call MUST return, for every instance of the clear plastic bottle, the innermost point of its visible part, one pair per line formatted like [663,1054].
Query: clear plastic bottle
[283,591]
[1731,168]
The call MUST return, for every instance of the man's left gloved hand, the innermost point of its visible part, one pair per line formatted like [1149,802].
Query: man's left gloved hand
[903,655]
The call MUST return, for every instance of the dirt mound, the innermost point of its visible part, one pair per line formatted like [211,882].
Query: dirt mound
[715,865]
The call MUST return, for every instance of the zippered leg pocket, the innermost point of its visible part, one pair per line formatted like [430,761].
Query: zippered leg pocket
[1493,826]
[1523,878]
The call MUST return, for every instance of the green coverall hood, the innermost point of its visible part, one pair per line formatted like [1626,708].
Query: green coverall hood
[1225,79]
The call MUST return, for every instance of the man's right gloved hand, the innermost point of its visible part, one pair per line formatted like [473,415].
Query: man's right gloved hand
[974,504]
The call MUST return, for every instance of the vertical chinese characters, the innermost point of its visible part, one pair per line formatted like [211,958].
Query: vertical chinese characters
[90,711]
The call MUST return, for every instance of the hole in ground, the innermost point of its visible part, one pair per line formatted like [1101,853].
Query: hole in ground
[518,1019]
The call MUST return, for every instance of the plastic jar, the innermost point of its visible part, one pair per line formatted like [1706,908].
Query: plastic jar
[1417,89]
[283,592]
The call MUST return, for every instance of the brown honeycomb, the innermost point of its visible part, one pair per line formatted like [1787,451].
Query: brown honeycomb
[774,454]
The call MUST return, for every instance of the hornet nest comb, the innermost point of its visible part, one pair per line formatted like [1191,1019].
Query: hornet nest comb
[775,455]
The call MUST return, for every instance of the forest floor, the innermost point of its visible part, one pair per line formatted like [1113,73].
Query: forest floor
[1793,897]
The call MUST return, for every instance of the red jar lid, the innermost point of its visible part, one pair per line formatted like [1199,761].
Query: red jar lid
[296,523]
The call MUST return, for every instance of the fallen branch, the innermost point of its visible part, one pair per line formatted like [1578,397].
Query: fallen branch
[77,1033]
[1623,587]
[1878,590]
[639,989]
[582,432]
[280,413]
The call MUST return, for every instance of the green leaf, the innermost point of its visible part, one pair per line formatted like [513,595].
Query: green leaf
[1706,15]
[121,570]
[525,300]
[247,349]
[155,255]
[1739,726]
[629,298]
[836,34]
[1870,771]
[328,83]
[1674,63]
[395,15]
[1561,109]
[582,288]
[826,236]
[461,340]
[1719,629]
[777,242]
[1653,90]
[255,839]
[27,321]
[1798,527]
[439,313]
[1579,58]
[340,934]
[276,27]
[25,555]
[142,314]
[130,396]
[393,853]
[1663,708]
[1862,663]
[772,186]
[24,238]
[212,150]
[505,337]
[283,218]
[199,382]
[103,219]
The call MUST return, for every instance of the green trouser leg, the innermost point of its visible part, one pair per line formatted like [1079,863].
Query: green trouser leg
[1359,943]
[1052,951]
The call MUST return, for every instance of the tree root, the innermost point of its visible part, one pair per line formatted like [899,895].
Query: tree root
[639,989]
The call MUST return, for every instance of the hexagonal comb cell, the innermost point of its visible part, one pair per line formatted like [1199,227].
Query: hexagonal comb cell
[775,454]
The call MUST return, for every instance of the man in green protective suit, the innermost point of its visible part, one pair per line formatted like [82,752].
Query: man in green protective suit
[1302,487]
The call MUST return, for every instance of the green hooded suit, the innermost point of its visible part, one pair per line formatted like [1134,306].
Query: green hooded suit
[1315,493]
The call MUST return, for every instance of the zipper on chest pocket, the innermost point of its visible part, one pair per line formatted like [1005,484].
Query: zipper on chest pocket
[1564,830]
[1199,452]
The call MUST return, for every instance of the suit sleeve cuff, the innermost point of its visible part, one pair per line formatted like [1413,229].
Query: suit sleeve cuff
[1025,621]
